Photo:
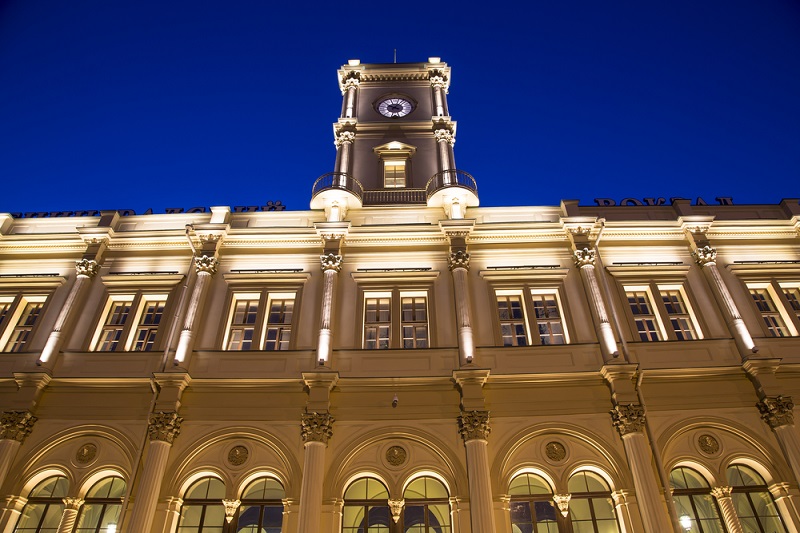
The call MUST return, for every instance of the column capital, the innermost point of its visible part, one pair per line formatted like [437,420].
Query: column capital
[72,503]
[396,507]
[705,255]
[474,425]
[344,137]
[87,268]
[16,425]
[721,492]
[316,427]
[164,426]
[628,418]
[562,500]
[351,80]
[776,411]
[206,264]
[445,135]
[584,257]
[230,509]
[331,262]
[459,259]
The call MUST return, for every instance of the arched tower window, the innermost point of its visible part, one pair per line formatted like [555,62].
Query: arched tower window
[261,510]
[694,502]
[202,510]
[102,506]
[753,502]
[366,507]
[427,508]
[43,511]
[591,508]
[532,506]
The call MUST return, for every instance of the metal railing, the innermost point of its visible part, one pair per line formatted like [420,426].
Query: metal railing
[450,178]
[395,196]
[337,180]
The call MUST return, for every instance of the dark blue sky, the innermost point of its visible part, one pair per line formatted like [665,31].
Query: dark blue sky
[111,104]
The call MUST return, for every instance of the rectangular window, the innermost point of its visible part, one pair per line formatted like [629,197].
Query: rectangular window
[644,316]
[545,317]
[548,317]
[260,321]
[394,173]
[512,319]
[678,314]
[415,320]
[793,298]
[20,315]
[395,319]
[279,321]
[130,322]
[242,323]
[769,312]
[377,321]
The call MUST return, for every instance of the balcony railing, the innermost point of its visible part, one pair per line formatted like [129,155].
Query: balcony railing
[399,196]
[450,178]
[338,180]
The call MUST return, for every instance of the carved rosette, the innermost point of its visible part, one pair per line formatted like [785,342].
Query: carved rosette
[397,508]
[72,503]
[164,426]
[628,418]
[230,509]
[87,268]
[474,425]
[562,500]
[206,264]
[584,257]
[721,492]
[458,259]
[331,262]
[16,425]
[445,136]
[705,255]
[776,411]
[343,137]
[316,427]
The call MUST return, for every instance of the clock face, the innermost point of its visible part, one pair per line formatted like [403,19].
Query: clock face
[395,107]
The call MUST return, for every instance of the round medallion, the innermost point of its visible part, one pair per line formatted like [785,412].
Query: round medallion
[396,455]
[394,107]
[86,453]
[555,451]
[238,455]
[708,444]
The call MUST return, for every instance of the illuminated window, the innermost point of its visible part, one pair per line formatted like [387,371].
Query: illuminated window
[546,317]
[43,510]
[427,506]
[644,315]
[662,312]
[202,510]
[130,322]
[532,505]
[19,316]
[414,320]
[390,315]
[693,500]
[754,504]
[769,313]
[102,506]
[395,162]
[394,173]
[591,508]
[366,507]
[250,327]
[792,295]
[778,303]
[512,319]
[261,510]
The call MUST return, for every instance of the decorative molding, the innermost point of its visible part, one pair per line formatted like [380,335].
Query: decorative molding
[72,504]
[396,455]
[230,509]
[238,455]
[555,451]
[16,425]
[206,264]
[87,268]
[444,135]
[628,418]
[721,492]
[458,259]
[86,453]
[397,507]
[708,444]
[164,426]
[584,257]
[474,425]
[562,500]
[776,411]
[705,255]
[316,427]
[331,262]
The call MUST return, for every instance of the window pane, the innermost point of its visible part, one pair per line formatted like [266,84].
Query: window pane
[769,313]
[643,315]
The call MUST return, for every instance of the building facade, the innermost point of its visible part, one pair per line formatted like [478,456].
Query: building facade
[400,359]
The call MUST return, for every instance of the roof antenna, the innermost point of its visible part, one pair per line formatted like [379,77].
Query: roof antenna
[395,55]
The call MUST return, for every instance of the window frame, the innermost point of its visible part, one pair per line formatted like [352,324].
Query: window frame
[774,276]
[691,493]
[396,322]
[264,296]
[389,154]
[105,503]
[783,306]
[45,501]
[129,329]
[526,291]
[18,303]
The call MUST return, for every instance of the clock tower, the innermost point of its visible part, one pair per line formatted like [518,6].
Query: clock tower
[394,142]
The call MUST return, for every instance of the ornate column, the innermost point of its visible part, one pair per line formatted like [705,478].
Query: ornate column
[85,270]
[629,419]
[69,515]
[161,431]
[445,140]
[173,513]
[474,429]
[205,266]
[439,86]
[331,265]
[349,89]
[15,426]
[11,512]
[585,261]
[458,262]
[777,412]
[726,507]
[344,144]
[786,506]
[622,505]
[315,429]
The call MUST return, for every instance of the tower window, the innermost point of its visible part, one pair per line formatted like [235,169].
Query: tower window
[394,173]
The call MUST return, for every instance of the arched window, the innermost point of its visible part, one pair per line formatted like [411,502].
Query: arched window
[532,506]
[694,502]
[427,508]
[591,508]
[202,510]
[261,510]
[366,507]
[102,506]
[753,501]
[43,511]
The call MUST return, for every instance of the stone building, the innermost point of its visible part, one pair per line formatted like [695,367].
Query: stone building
[399,359]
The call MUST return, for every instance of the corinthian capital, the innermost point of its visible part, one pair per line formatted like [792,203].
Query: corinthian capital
[474,425]
[331,262]
[164,426]
[343,137]
[562,500]
[316,427]
[350,81]
[458,259]
[206,264]
[705,255]
[72,503]
[445,136]
[438,81]
[776,411]
[721,492]
[230,509]
[16,425]
[628,418]
[86,267]
[584,257]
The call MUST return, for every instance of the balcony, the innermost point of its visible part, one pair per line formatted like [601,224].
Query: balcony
[399,196]
[450,185]
[336,187]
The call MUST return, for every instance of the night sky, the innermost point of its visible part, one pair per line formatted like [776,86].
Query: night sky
[143,104]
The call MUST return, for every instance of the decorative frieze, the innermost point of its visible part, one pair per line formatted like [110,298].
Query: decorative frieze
[206,264]
[164,426]
[87,268]
[331,262]
[705,255]
[445,136]
[458,259]
[474,425]
[562,500]
[316,427]
[584,257]
[16,425]
[396,507]
[230,509]
[628,418]
[776,411]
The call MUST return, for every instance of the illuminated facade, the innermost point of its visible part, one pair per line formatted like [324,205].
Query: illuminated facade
[399,359]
